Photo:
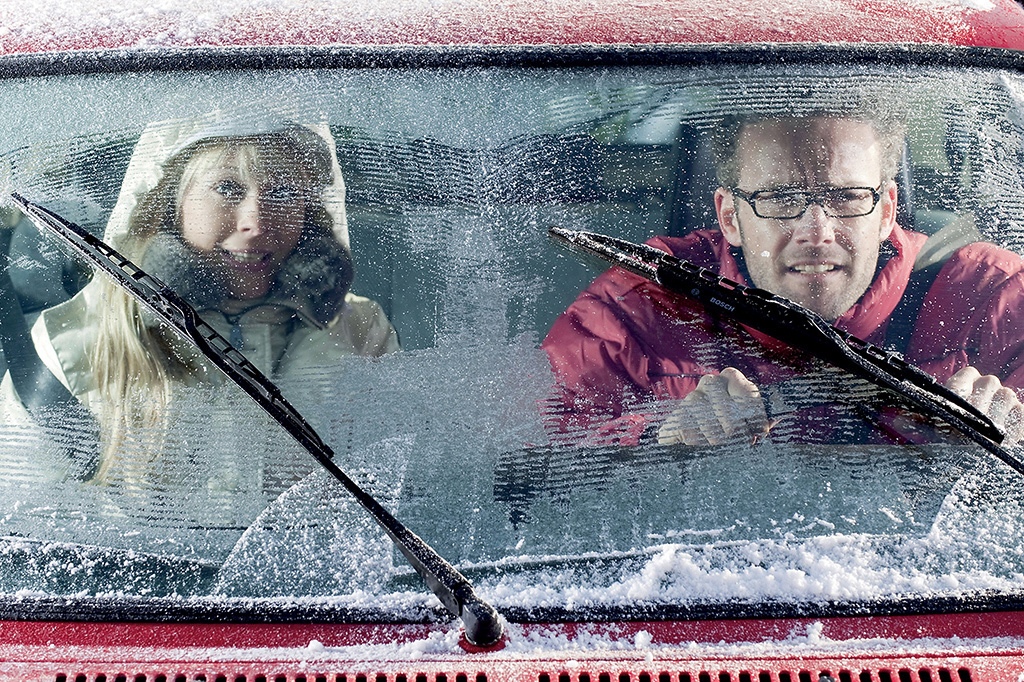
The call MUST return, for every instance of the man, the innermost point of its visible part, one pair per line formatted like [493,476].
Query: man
[807,210]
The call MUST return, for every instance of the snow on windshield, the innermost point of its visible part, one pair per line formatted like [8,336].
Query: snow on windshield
[420,360]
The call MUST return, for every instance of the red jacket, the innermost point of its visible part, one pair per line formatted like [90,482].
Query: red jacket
[625,343]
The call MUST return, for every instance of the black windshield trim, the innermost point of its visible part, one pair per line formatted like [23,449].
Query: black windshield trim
[132,609]
[462,56]
[767,609]
[273,611]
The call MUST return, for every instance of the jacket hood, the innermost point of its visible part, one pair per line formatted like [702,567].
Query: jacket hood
[315,278]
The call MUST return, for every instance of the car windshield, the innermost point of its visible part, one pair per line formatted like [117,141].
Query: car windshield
[375,241]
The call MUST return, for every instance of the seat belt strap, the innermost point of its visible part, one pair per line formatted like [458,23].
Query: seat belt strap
[930,260]
[904,317]
[50,404]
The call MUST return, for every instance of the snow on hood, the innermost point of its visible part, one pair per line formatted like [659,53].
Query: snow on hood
[48,25]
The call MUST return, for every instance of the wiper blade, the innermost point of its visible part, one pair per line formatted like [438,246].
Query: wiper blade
[482,623]
[798,327]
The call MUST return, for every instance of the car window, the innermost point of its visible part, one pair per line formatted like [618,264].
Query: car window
[426,375]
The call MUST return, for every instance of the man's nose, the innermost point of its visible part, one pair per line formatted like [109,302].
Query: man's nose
[815,226]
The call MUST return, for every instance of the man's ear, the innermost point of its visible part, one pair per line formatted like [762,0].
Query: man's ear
[725,209]
[889,205]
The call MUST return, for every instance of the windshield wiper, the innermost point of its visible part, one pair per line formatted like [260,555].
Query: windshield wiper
[798,327]
[482,622]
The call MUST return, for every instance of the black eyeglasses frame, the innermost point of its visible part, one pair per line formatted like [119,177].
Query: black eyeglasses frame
[818,197]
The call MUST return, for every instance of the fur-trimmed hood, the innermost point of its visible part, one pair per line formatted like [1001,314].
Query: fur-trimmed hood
[315,278]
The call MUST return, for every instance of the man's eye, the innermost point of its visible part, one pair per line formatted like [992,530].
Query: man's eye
[783,199]
[230,190]
[850,195]
[850,199]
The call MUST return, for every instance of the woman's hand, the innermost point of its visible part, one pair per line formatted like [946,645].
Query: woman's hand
[988,394]
[724,408]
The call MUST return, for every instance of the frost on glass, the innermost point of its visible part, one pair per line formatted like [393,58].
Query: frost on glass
[452,180]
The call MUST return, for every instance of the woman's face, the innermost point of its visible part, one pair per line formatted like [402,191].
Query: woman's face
[247,219]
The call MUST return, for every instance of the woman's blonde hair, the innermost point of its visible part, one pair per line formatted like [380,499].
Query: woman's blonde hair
[135,365]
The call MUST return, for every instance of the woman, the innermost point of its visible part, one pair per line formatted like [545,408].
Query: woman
[246,221]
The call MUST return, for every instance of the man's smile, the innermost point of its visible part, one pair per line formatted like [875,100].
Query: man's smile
[814,268]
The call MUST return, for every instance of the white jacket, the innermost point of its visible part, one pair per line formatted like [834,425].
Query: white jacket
[285,336]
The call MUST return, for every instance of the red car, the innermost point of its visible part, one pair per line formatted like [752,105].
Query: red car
[380,482]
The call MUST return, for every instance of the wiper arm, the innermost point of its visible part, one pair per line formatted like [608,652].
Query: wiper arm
[482,622]
[798,327]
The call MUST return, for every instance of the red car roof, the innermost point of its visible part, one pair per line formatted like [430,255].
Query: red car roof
[31,26]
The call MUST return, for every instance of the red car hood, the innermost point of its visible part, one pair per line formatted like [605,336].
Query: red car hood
[947,648]
[34,27]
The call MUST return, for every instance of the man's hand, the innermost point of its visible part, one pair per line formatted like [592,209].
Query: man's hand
[724,408]
[986,393]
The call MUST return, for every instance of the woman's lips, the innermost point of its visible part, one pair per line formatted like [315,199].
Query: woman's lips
[250,261]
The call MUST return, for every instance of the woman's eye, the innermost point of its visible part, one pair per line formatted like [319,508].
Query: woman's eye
[282,194]
[230,190]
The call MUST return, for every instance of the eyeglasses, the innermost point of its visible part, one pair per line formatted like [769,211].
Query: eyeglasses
[837,202]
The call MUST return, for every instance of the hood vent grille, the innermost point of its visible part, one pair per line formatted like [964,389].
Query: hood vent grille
[199,677]
[900,675]
[883,675]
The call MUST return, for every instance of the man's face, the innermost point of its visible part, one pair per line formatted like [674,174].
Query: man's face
[822,262]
